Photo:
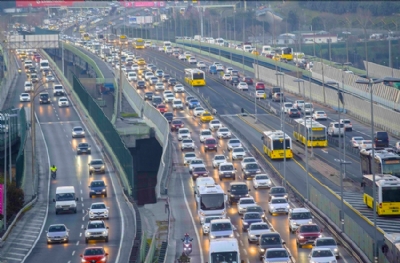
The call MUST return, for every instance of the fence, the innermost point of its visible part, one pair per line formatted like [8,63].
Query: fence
[10,76]
[20,160]
[380,71]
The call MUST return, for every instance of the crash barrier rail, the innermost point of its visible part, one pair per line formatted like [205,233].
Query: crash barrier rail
[136,256]
[20,159]
[12,129]
[384,118]
[384,95]
[380,71]
[151,251]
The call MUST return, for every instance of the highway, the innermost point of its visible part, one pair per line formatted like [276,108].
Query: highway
[56,124]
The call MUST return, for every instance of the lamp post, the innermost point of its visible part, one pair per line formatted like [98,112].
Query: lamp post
[283,126]
[341,215]
[5,182]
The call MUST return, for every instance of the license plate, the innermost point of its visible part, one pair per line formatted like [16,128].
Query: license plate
[280,209]
[66,208]
[99,193]
[227,175]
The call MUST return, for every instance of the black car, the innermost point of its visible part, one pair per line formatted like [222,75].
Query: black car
[235,81]
[169,116]
[250,218]
[156,100]
[153,68]
[166,77]
[44,98]
[294,113]
[83,147]
[278,191]
[269,240]
[236,191]
[250,170]
[140,84]
[148,96]
[272,91]
[97,187]
[172,82]
[32,70]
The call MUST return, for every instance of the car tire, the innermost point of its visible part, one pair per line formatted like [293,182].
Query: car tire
[105,195]
[90,196]
[220,179]
[86,240]
[106,240]
[56,212]
[75,211]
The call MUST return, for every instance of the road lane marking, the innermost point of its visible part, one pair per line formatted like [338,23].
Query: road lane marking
[73,252]
[18,248]
[80,234]
[77,243]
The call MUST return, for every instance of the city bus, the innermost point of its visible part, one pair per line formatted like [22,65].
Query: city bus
[274,144]
[195,77]
[385,162]
[317,135]
[138,43]
[387,193]
[210,200]
[85,37]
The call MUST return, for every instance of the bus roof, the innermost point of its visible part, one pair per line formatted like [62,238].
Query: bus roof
[381,154]
[383,179]
[211,189]
[194,70]
[278,134]
[224,245]
[310,123]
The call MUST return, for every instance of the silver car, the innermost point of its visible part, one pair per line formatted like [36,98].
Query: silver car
[218,159]
[188,157]
[58,233]
[97,166]
[77,132]
[96,230]
[327,242]
[206,225]
[233,143]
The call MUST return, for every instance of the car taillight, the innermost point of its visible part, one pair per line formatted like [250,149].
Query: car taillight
[380,205]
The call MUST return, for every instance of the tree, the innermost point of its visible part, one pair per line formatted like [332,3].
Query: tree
[317,23]
[15,199]
[293,20]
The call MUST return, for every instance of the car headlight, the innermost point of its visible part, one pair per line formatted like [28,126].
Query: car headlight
[103,190]
[310,222]
[285,196]
[83,260]
[104,232]
[301,237]
[245,223]
[320,235]
[87,234]
[252,235]
[288,206]
[272,207]
[103,259]
[336,250]
[212,236]
[73,205]
[231,235]
[91,213]
[262,250]
[58,206]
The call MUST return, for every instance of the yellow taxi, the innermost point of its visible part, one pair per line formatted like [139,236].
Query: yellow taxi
[141,61]
[255,52]
[206,117]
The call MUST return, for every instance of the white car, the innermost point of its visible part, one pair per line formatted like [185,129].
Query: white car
[184,133]
[96,230]
[205,134]
[148,75]
[50,78]
[218,159]
[243,86]
[278,205]
[98,210]
[320,115]
[321,255]
[247,160]
[365,144]
[187,144]
[348,126]
[177,104]
[327,242]
[299,216]
[224,133]
[192,60]
[256,230]
[226,77]
[298,104]
[167,92]
[238,153]
[159,86]
[198,111]
[63,102]
[219,66]
[132,76]
[195,163]
[189,157]
[182,57]
[261,181]
[214,125]
[286,107]
[24,97]
[201,65]
[355,141]
[245,202]
[178,88]
[228,70]
[206,224]
[260,94]
[169,98]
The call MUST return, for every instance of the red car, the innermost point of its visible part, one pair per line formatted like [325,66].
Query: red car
[260,86]
[94,255]
[248,80]
[307,234]
[176,125]
[162,108]
[210,144]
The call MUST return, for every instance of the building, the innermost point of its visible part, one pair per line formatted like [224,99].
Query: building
[286,39]
[318,37]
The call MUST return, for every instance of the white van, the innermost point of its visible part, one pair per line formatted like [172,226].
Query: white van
[44,65]
[65,199]
[219,248]
[266,50]
[247,48]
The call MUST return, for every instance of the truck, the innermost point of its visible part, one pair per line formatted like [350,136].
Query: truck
[266,51]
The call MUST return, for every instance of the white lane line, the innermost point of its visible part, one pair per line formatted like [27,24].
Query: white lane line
[17,254]
[18,248]
[81,191]
[80,234]
[82,225]
[77,243]
[73,252]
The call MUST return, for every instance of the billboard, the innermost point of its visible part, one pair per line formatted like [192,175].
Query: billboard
[140,20]
[45,3]
[142,3]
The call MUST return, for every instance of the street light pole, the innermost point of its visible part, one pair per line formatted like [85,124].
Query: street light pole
[5,183]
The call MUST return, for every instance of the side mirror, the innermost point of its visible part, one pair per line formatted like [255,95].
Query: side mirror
[322,230]
[106,254]
[54,200]
[249,190]
[283,242]
[84,228]
[313,244]
[77,199]
[47,231]
[191,239]
[107,228]
[262,138]
[229,191]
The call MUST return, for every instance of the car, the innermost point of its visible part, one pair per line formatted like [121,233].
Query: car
[243,86]
[218,159]
[169,116]
[183,133]
[159,73]
[205,134]
[238,153]
[132,76]
[260,86]
[178,88]
[286,107]
[226,170]
[167,92]
[57,233]
[221,228]
[97,187]
[199,171]
[298,217]
[96,166]
[236,191]
[177,104]
[96,230]
[201,65]
[248,80]
[219,66]
[233,143]
[206,224]
[197,111]
[24,97]
[294,113]
[307,234]
[148,75]
[210,144]
[336,129]
[261,181]
[356,140]
[141,84]
[192,60]
[44,98]
[228,70]
[148,95]
[278,191]
[224,133]
[214,125]
[298,104]
[159,86]
[280,255]
[83,147]
[98,210]
[195,163]
[172,82]
[50,78]
[243,203]
[176,125]
[255,230]
[365,144]
[169,98]
[206,117]
[327,242]
[212,69]
[319,255]
[63,102]
[235,80]
[247,160]
[162,108]
[319,115]
[187,144]
[77,132]
[182,57]
[348,126]
[250,218]
[156,100]
[194,103]
[269,241]
[165,77]
[189,157]
[258,209]
[260,94]
[226,76]
[250,170]
[278,205]
[277,97]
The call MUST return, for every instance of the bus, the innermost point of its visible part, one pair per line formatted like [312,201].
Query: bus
[274,144]
[385,162]
[286,53]
[195,77]
[85,37]
[310,132]
[224,250]
[210,200]
[138,43]
[387,193]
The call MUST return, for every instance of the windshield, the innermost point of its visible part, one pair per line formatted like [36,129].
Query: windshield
[197,162]
[303,215]
[221,226]
[278,144]
[254,209]
[234,141]
[246,201]
[224,257]
[205,133]
[177,102]
[236,150]
[208,219]
[322,253]
[262,177]
[326,242]
[183,131]
[270,240]
[277,190]
[97,184]
[199,169]
[318,135]
[93,225]
[391,194]
[187,141]
[219,157]
[96,162]
[252,166]
[393,168]
[98,206]
[276,254]
[65,197]
[249,160]
[212,201]
[278,201]
[259,226]
[58,228]
[227,167]
[309,228]
[252,216]
[239,189]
